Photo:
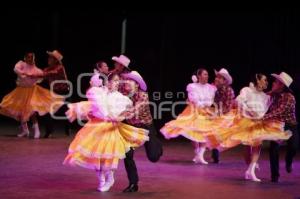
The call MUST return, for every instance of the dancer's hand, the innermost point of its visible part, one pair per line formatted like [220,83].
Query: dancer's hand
[126,114]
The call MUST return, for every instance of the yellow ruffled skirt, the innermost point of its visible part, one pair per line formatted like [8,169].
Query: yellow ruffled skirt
[23,102]
[251,132]
[101,144]
[195,124]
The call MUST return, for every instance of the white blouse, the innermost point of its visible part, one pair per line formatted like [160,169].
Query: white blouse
[106,104]
[202,95]
[253,103]
[23,70]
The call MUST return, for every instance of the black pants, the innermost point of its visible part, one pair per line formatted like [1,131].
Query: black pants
[153,149]
[61,112]
[292,146]
[215,155]
[50,121]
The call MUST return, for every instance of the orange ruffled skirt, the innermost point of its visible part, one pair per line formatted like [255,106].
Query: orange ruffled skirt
[23,102]
[101,144]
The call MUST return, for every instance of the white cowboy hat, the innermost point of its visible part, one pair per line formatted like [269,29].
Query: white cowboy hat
[122,59]
[134,75]
[57,55]
[224,73]
[284,78]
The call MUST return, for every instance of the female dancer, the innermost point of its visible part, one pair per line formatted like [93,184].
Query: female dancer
[249,129]
[193,123]
[104,139]
[28,99]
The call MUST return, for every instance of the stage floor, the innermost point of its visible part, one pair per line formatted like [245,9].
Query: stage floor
[33,169]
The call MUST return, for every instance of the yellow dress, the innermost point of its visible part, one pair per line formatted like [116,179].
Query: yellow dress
[192,123]
[28,98]
[248,128]
[198,121]
[252,132]
[101,143]
[221,123]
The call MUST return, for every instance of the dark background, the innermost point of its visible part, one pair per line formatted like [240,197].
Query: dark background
[165,48]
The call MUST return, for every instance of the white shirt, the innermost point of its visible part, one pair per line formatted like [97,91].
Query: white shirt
[254,103]
[22,69]
[106,104]
[202,95]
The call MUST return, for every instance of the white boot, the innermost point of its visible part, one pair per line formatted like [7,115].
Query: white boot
[250,173]
[257,166]
[199,158]
[195,159]
[101,179]
[24,130]
[36,130]
[109,181]
[201,155]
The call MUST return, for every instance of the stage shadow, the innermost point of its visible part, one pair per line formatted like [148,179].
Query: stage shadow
[178,161]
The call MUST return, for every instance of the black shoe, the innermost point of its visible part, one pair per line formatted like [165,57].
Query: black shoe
[288,168]
[48,135]
[216,160]
[275,179]
[131,188]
